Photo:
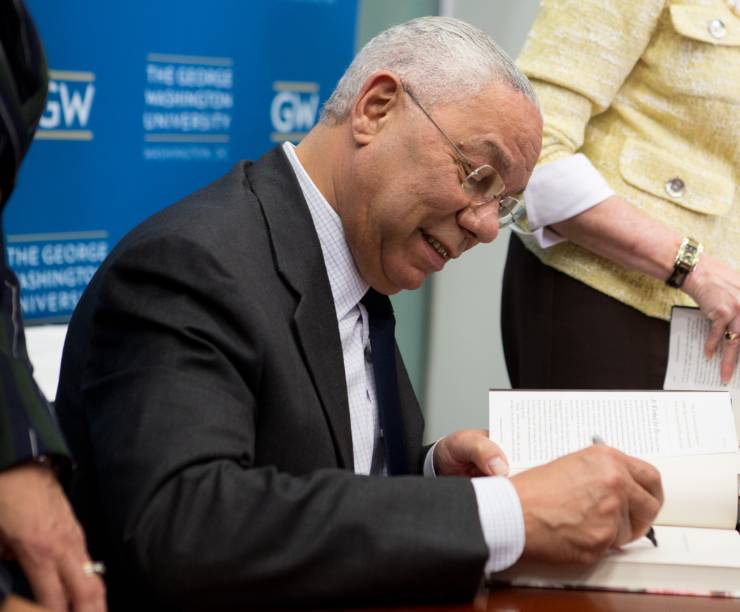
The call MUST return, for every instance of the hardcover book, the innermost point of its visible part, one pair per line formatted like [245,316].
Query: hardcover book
[688,435]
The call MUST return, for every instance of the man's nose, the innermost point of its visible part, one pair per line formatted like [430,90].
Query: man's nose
[480,220]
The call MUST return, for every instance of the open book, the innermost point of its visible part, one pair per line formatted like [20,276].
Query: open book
[688,435]
[687,367]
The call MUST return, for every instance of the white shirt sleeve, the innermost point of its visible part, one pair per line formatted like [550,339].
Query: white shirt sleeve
[501,517]
[560,190]
[502,520]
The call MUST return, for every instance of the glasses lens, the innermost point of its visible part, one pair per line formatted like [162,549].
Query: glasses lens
[483,184]
[510,210]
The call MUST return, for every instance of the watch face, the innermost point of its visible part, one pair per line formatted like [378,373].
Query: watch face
[688,254]
[686,260]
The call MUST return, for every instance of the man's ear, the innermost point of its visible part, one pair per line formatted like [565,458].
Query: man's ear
[378,98]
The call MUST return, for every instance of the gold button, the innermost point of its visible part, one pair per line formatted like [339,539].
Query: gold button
[717,28]
[675,187]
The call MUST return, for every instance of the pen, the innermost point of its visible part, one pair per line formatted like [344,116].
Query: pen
[650,535]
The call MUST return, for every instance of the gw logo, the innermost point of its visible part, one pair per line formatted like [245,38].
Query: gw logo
[294,109]
[68,106]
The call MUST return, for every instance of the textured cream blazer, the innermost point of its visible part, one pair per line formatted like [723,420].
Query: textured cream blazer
[649,90]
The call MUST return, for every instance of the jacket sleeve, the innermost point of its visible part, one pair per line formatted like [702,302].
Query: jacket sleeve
[577,55]
[28,428]
[172,388]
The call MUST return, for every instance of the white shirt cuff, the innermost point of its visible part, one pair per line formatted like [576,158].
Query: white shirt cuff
[560,190]
[429,461]
[502,520]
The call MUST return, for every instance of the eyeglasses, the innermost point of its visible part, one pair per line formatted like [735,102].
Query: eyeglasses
[482,184]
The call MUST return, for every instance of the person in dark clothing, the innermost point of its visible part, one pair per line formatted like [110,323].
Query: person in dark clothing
[38,531]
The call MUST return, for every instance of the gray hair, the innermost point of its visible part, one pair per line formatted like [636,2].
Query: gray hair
[439,58]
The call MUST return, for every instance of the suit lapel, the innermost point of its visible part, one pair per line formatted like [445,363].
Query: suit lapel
[301,264]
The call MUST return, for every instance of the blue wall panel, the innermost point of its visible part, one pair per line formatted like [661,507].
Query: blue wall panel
[149,101]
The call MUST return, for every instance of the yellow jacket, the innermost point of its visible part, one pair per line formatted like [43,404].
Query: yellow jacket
[649,90]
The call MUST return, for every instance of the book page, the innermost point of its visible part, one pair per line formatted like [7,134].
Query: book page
[534,427]
[699,491]
[688,561]
[689,436]
[687,366]
[686,546]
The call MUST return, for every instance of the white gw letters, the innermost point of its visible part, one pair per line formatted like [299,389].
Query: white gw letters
[290,112]
[72,108]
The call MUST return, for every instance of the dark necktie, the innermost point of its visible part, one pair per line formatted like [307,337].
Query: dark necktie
[383,347]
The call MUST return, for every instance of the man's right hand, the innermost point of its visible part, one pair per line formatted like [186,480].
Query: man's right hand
[581,505]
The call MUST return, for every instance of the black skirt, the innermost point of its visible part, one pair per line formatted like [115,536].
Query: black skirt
[559,333]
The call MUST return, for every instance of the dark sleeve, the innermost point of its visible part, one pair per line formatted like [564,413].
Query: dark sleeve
[172,388]
[6,583]
[27,424]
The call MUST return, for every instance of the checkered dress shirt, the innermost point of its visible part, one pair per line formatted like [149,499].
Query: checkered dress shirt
[499,509]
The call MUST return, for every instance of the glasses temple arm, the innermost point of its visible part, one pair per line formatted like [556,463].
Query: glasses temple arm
[439,129]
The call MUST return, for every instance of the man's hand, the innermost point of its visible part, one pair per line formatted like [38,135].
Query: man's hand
[38,529]
[469,453]
[581,505]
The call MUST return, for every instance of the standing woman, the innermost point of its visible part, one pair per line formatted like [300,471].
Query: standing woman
[634,204]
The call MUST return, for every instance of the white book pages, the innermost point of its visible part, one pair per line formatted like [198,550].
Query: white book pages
[689,436]
[687,366]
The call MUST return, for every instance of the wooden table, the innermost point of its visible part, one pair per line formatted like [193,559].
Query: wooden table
[545,600]
[527,600]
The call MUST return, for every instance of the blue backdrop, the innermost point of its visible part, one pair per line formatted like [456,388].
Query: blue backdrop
[149,101]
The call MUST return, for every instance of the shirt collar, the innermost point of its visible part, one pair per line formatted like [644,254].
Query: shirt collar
[347,286]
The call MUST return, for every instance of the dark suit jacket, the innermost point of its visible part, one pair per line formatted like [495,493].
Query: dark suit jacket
[27,426]
[203,393]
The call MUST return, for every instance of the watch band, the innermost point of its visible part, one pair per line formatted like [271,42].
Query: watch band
[686,259]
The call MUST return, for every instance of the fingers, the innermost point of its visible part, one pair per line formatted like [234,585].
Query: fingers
[58,579]
[86,591]
[47,541]
[722,335]
[470,453]
[716,289]
[644,497]
[45,583]
[714,337]
[630,493]
[730,349]
[647,477]
[487,456]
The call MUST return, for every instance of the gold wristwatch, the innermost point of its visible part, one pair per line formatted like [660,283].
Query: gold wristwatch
[686,260]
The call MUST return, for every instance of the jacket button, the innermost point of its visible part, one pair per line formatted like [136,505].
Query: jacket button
[717,28]
[675,187]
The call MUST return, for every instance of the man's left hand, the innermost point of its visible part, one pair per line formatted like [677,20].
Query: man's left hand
[469,453]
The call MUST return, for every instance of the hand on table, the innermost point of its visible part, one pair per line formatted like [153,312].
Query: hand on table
[39,530]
